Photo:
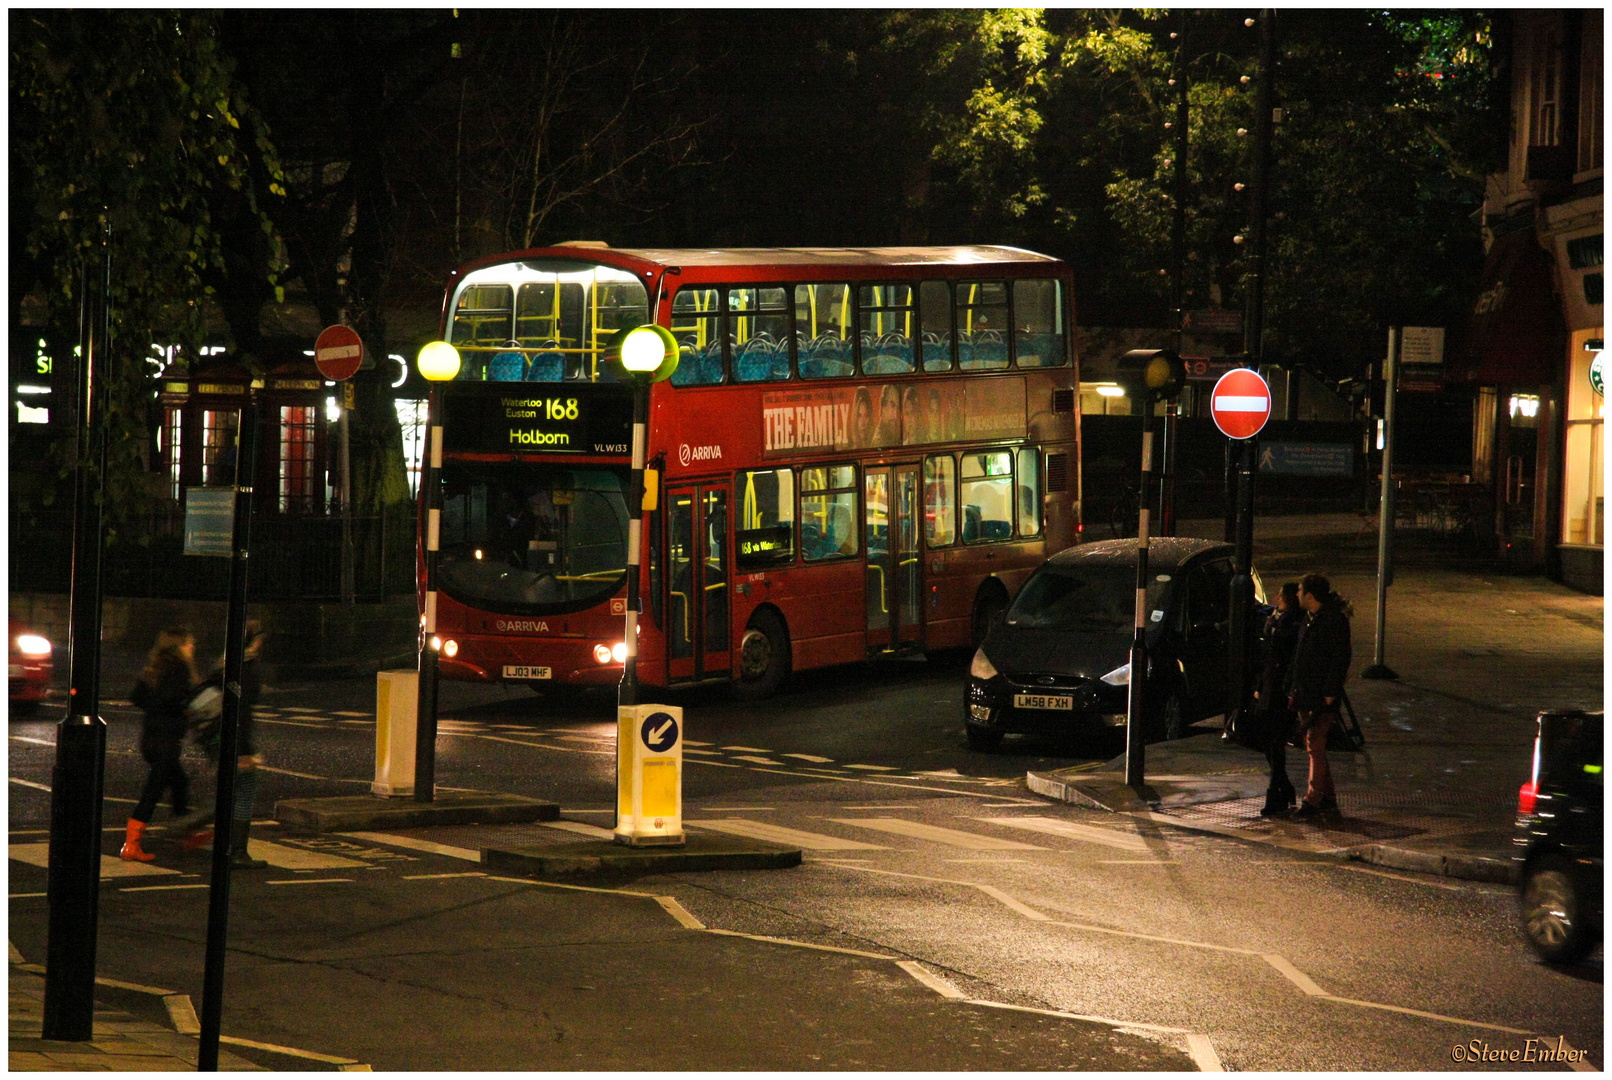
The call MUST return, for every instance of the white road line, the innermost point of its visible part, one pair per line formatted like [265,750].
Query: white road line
[931,980]
[582,828]
[182,1013]
[809,757]
[800,944]
[757,760]
[309,881]
[678,912]
[1427,1015]
[361,714]
[1203,1053]
[1109,1020]
[310,776]
[691,742]
[1294,975]
[1094,834]
[938,835]
[438,877]
[289,1051]
[875,768]
[161,888]
[777,834]
[885,806]
[30,783]
[30,739]
[1136,862]
[111,865]
[744,749]
[1577,1062]
[299,709]
[711,753]
[1398,877]
[289,723]
[997,894]
[467,854]
[16,955]
[138,988]
[733,809]
[24,895]
[285,857]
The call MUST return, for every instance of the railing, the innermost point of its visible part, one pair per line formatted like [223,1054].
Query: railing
[292,557]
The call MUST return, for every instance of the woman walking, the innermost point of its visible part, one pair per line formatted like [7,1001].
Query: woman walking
[1279,638]
[163,691]
[246,762]
[1320,666]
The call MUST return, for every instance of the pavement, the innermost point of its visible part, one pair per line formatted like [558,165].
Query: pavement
[1477,653]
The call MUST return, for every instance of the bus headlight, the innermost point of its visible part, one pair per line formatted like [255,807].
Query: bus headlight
[601,653]
[619,652]
[450,648]
[32,645]
[436,643]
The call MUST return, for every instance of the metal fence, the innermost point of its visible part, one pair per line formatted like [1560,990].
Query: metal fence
[292,557]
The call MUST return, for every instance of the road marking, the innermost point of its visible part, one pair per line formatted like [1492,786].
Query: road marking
[1258,836]
[800,944]
[299,709]
[30,783]
[574,810]
[745,749]
[1294,975]
[16,954]
[1399,877]
[30,739]
[733,809]
[931,980]
[111,865]
[691,750]
[467,854]
[182,1013]
[582,738]
[24,895]
[309,881]
[885,806]
[678,912]
[160,888]
[290,723]
[875,768]
[1109,1020]
[938,835]
[289,1051]
[1094,834]
[310,776]
[437,877]
[1136,862]
[1575,1060]
[581,827]
[777,834]
[809,757]
[363,714]
[1203,1053]
[691,742]
[757,760]
[283,857]
[1427,1015]
[138,988]
[997,894]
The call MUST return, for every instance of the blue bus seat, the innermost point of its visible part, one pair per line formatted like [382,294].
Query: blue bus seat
[971,524]
[998,530]
[506,367]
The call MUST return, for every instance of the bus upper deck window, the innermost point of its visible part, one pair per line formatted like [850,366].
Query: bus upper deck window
[824,343]
[887,328]
[696,319]
[982,323]
[758,333]
[481,319]
[935,321]
[1038,323]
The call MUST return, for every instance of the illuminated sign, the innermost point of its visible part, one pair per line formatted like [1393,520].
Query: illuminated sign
[580,418]
[891,415]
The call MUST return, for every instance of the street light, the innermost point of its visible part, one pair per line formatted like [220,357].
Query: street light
[438,362]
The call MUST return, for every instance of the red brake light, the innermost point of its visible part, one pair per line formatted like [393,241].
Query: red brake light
[1527,798]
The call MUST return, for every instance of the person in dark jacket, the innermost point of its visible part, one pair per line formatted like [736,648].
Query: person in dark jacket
[163,691]
[246,762]
[1315,686]
[1278,639]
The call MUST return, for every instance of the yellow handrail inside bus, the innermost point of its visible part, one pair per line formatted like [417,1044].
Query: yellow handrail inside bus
[883,605]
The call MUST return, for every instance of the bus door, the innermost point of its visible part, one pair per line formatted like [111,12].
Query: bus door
[890,510]
[697,639]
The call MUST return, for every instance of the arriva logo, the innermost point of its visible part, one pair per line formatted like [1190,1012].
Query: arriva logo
[687,453]
[523,626]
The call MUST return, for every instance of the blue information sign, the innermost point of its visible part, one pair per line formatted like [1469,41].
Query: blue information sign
[659,732]
[1306,458]
[209,522]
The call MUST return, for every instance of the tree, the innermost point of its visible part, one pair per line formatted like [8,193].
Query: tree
[134,118]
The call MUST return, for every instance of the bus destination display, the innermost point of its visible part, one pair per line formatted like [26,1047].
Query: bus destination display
[537,418]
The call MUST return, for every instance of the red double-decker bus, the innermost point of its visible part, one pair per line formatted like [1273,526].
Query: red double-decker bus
[861,452]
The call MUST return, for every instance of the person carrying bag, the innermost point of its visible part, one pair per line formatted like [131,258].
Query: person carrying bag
[1321,662]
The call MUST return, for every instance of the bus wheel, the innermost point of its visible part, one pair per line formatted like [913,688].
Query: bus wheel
[763,657]
[989,610]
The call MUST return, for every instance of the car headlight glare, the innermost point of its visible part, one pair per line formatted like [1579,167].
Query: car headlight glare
[982,668]
[32,645]
[618,652]
[1120,676]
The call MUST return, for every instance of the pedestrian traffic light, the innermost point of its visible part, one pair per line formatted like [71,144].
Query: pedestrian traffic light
[1152,374]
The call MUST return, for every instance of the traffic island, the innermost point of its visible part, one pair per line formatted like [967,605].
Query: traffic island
[348,813]
[606,858]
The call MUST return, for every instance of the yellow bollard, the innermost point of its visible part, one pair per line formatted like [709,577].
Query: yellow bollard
[395,719]
[649,775]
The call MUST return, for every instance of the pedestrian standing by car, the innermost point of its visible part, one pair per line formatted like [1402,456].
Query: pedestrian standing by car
[163,691]
[1315,683]
[1278,639]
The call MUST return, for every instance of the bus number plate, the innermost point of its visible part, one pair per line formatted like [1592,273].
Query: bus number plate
[1043,701]
[522,671]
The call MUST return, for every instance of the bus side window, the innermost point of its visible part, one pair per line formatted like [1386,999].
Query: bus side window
[828,513]
[764,535]
[935,320]
[1028,475]
[696,322]
[758,328]
[987,496]
[1038,323]
[982,322]
[940,500]
[887,328]
[654,523]
[823,342]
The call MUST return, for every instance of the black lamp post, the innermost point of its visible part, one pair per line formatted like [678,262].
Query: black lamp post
[438,362]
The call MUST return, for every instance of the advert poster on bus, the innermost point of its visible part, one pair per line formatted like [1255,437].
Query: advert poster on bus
[891,415]
[566,418]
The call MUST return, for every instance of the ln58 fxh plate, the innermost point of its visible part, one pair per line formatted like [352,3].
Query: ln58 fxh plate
[1043,701]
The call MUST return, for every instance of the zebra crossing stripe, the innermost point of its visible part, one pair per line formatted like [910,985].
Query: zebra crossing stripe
[777,834]
[1094,834]
[938,835]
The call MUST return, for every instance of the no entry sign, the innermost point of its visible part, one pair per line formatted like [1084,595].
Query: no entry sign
[1241,403]
[338,352]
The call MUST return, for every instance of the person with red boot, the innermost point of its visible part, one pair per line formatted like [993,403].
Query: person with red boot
[163,691]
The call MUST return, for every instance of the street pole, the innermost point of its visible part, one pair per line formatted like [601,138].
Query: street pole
[1178,260]
[627,692]
[344,432]
[1136,705]
[228,745]
[1379,668]
[425,723]
[73,884]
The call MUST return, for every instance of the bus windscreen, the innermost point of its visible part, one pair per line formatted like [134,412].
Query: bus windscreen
[531,539]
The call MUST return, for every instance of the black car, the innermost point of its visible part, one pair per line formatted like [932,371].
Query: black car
[1559,837]
[1060,660]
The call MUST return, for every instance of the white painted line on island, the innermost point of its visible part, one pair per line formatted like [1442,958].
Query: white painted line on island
[1203,1053]
[777,834]
[931,980]
[1294,975]
[937,834]
[678,912]
[581,828]
[413,844]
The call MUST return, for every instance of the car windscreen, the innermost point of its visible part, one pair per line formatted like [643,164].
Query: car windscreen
[532,539]
[1090,598]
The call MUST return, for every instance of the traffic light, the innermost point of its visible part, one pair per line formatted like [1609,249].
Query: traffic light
[1153,374]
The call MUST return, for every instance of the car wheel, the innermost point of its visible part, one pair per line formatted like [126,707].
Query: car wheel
[763,657]
[1551,911]
[983,739]
[1169,716]
[989,611]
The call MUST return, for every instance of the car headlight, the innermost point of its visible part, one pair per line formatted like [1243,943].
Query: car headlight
[32,645]
[1120,676]
[982,668]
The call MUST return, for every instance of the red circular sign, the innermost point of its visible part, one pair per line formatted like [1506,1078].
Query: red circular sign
[338,352]
[1241,403]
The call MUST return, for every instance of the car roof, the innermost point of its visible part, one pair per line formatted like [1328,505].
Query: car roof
[1163,553]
